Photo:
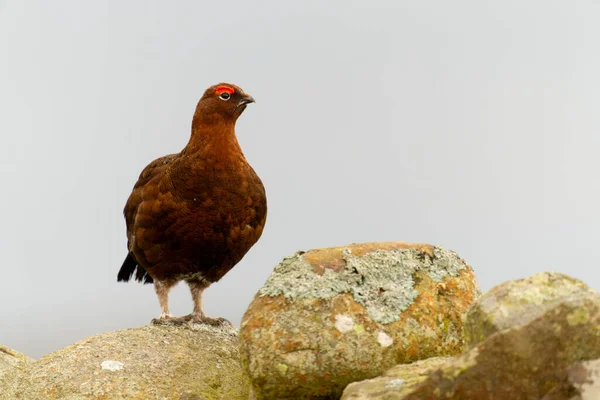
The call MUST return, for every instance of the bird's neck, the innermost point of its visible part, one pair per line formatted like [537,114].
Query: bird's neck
[214,139]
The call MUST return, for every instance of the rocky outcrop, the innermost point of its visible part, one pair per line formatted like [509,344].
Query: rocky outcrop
[581,381]
[584,379]
[364,321]
[536,338]
[516,303]
[154,362]
[12,368]
[398,381]
[525,362]
[328,317]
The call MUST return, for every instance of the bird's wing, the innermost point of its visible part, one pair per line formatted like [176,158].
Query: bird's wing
[144,189]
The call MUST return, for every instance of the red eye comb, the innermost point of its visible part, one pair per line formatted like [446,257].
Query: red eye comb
[224,89]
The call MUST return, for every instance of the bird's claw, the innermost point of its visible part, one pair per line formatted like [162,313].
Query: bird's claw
[191,319]
[216,322]
[195,319]
[169,320]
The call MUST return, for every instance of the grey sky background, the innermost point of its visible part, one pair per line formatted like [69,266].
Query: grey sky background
[473,125]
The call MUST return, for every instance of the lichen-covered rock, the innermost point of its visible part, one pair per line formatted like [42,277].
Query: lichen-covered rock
[395,382]
[531,361]
[153,362]
[518,302]
[12,367]
[329,317]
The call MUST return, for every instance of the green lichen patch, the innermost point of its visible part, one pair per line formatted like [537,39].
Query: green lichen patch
[579,317]
[359,329]
[282,368]
[383,281]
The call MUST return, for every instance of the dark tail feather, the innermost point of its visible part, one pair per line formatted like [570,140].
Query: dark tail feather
[129,267]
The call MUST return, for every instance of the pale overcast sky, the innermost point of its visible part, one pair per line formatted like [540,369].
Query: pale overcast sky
[473,125]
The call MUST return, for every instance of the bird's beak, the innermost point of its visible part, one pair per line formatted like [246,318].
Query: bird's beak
[247,99]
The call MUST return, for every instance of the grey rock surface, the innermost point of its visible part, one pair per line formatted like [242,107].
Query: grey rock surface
[153,362]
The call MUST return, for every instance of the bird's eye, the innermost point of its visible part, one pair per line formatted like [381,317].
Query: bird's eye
[224,96]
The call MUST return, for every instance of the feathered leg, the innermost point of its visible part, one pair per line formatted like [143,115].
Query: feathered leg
[162,289]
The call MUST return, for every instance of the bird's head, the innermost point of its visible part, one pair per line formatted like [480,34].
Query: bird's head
[223,101]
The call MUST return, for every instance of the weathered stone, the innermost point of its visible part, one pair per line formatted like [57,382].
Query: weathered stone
[12,367]
[154,362]
[518,302]
[394,383]
[530,361]
[585,379]
[582,382]
[329,317]
[11,359]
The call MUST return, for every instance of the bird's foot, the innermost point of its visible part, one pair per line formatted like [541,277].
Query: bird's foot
[191,319]
[169,320]
[203,319]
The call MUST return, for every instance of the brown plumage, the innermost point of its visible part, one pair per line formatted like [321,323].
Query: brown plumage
[193,215]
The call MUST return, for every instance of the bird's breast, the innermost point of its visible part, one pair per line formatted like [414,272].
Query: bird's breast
[220,197]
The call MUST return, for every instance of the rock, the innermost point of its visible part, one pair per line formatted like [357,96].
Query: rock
[394,383]
[549,350]
[538,360]
[584,377]
[11,360]
[582,382]
[518,302]
[12,367]
[329,317]
[153,362]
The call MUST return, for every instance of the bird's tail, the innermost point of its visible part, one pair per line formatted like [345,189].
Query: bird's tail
[129,267]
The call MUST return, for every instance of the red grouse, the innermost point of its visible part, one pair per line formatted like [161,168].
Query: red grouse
[193,215]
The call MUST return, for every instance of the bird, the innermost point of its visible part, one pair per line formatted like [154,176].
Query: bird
[193,215]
